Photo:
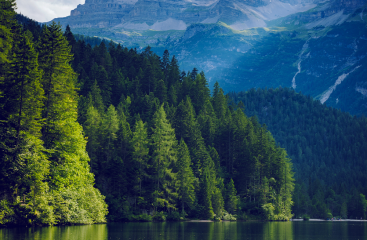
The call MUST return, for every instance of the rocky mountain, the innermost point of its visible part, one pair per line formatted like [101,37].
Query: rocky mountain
[322,54]
[162,15]
[316,47]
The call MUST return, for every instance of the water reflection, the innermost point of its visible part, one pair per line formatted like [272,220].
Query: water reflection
[90,232]
[195,231]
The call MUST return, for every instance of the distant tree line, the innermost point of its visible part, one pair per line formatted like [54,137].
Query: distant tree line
[328,149]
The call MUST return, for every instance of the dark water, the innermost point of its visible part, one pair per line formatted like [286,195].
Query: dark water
[195,231]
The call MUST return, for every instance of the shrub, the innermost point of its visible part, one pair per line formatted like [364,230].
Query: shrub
[174,216]
[141,218]
[159,217]
[6,212]
[229,217]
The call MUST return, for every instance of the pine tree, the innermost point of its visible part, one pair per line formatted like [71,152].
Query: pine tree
[164,153]
[62,134]
[231,198]
[25,163]
[140,145]
[206,195]
[185,177]
[7,21]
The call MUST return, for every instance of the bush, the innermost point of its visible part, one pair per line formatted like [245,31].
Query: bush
[141,218]
[242,216]
[306,217]
[217,218]
[268,211]
[174,216]
[6,212]
[228,217]
[159,217]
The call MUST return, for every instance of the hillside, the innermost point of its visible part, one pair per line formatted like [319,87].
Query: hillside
[327,147]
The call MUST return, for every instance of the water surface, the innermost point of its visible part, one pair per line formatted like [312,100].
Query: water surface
[195,231]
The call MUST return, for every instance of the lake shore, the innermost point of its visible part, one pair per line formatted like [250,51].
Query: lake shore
[323,220]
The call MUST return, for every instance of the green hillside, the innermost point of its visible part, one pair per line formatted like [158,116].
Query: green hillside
[328,149]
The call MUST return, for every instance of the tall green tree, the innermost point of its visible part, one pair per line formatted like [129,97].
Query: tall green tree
[164,154]
[231,198]
[185,177]
[62,134]
[140,145]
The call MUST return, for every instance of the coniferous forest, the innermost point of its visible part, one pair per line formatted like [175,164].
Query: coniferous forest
[328,149]
[105,132]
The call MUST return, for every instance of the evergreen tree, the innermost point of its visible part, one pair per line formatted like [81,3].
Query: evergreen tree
[164,153]
[185,177]
[206,195]
[62,135]
[140,145]
[231,198]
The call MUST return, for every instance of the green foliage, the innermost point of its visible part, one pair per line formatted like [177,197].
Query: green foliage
[268,211]
[141,218]
[159,217]
[6,212]
[185,177]
[45,176]
[139,170]
[228,217]
[175,216]
[327,148]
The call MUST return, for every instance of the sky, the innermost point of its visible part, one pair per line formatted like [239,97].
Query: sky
[46,10]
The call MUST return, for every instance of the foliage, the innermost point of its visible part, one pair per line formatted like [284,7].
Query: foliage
[326,145]
[228,217]
[155,139]
[45,176]
[159,217]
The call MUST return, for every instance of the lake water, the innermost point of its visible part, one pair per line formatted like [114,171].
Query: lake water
[195,231]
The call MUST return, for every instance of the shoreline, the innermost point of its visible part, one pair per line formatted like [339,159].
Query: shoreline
[323,220]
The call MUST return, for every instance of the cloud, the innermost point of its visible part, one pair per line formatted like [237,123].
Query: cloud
[46,10]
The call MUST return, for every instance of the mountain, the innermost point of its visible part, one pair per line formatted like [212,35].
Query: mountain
[324,58]
[316,47]
[162,15]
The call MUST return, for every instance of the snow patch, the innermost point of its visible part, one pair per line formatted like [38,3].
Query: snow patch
[361,90]
[169,24]
[201,2]
[325,96]
[275,9]
[211,20]
[335,19]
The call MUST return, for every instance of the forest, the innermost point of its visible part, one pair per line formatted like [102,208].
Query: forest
[90,134]
[328,149]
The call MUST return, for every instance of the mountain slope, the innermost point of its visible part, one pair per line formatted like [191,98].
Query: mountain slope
[317,48]
[178,15]
[328,148]
[328,63]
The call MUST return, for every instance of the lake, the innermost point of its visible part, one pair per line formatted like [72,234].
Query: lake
[309,230]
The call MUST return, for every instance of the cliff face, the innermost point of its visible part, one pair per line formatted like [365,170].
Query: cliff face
[177,15]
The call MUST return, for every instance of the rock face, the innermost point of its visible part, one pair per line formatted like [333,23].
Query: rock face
[178,15]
